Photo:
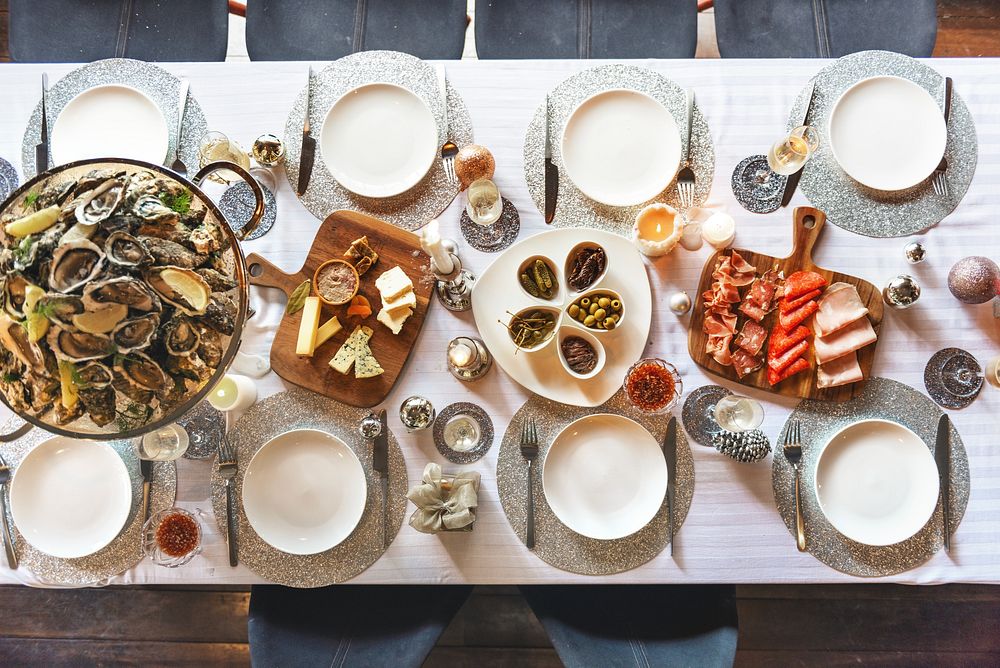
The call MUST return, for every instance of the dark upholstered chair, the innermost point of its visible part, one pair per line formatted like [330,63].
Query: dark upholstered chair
[823,28]
[330,29]
[586,28]
[73,31]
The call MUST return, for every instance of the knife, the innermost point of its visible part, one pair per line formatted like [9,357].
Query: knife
[793,179]
[670,455]
[551,173]
[380,462]
[308,153]
[942,455]
[146,469]
[42,147]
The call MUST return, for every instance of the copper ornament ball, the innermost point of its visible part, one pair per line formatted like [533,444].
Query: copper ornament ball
[974,280]
[474,162]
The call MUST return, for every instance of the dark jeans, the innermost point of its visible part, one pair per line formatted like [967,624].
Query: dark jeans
[397,626]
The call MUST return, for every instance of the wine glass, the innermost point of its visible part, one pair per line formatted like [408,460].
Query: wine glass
[737,413]
[484,208]
[789,155]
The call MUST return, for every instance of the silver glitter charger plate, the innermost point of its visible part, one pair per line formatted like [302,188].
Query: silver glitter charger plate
[860,209]
[301,409]
[937,386]
[161,86]
[418,205]
[557,544]
[8,179]
[573,208]
[882,399]
[485,432]
[122,553]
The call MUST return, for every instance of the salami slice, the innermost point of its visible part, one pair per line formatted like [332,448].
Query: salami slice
[745,363]
[790,305]
[781,341]
[775,377]
[802,282]
[793,319]
[752,337]
[785,360]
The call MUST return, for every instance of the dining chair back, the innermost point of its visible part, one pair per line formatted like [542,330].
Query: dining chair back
[824,28]
[77,31]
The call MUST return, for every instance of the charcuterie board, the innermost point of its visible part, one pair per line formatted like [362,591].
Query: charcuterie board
[395,247]
[807,226]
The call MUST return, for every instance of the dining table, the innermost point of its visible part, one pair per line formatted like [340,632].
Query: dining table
[733,532]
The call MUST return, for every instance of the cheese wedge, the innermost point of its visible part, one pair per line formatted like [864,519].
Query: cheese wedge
[353,346]
[396,306]
[394,323]
[306,343]
[393,284]
[327,330]
[368,367]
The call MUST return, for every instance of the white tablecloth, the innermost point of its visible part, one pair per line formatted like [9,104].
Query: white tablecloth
[733,532]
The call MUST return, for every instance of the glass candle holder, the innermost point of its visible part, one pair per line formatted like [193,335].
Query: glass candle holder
[468,358]
[653,385]
[233,393]
[171,537]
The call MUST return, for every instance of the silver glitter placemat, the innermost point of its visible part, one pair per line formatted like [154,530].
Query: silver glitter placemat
[301,409]
[8,179]
[882,399]
[860,209]
[418,205]
[485,432]
[557,544]
[121,554]
[957,390]
[573,208]
[161,86]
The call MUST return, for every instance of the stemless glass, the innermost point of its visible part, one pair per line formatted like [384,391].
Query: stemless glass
[216,146]
[165,444]
[485,204]
[462,433]
[789,154]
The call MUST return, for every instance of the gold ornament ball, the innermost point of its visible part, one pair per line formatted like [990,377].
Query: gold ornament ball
[474,162]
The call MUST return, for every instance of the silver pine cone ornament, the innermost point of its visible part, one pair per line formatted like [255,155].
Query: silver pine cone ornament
[744,446]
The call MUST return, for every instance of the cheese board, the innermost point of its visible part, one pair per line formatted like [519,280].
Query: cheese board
[395,248]
[807,225]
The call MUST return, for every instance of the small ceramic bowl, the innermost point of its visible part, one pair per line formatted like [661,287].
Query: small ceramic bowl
[575,330]
[597,294]
[330,263]
[524,313]
[570,259]
[526,267]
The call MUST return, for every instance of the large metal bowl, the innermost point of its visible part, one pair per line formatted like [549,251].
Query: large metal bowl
[166,407]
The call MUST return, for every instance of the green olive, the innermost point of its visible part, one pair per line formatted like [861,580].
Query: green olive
[600,314]
[589,321]
[615,316]
[593,309]
[604,302]
[616,305]
[573,310]
[585,302]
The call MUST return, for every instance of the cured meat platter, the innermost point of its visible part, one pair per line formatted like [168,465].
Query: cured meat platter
[395,248]
[786,325]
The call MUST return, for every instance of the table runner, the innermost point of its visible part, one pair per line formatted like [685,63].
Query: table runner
[733,532]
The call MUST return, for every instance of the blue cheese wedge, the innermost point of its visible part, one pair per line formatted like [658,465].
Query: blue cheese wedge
[355,347]
[394,322]
[368,367]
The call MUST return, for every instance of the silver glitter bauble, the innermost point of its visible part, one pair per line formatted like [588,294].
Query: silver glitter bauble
[268,150]
[680,303]
[744,446]
[914,252]
[370,426]
[416,413]
[901,292]
[974,280]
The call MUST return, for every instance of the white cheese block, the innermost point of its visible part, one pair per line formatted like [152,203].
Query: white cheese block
[396,306]
[395,323]
[368,367]
[306,343]
[393,284]
[327,330]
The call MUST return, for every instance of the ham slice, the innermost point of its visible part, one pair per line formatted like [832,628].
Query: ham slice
[839,306]
[844,341]
[785,360]
[792,319]
[775,377]
[841,371]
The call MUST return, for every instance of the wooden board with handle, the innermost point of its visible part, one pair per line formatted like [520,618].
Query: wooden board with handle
[395,247]
[807,225]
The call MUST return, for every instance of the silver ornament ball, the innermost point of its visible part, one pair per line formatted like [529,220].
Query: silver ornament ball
[417,413]
[370,426]
[901,292]
[974,280]
[680,303]
[914,252]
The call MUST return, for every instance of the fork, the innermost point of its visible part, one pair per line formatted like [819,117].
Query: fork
[448,149]
[793,453]
[8,541]
[227,469]
[940,182]
[529,450]
[178,165]
[685,177]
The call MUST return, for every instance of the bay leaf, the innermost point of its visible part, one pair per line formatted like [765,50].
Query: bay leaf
[297,299]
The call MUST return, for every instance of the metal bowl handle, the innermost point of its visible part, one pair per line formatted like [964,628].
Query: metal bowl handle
[258,193]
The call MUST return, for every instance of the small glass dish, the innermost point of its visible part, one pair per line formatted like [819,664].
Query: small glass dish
[653,386]
[166,534]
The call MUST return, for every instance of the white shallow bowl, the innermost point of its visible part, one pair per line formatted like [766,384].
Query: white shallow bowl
[379,140]
[70,498]
[887,133]
[604,476]
[621,147]
[876,482]
[304,491]
[110,120]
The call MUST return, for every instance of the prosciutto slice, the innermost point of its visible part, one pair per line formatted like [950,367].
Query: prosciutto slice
[752,337]
[720,322]
[844,341]
[841,371]
[839,306]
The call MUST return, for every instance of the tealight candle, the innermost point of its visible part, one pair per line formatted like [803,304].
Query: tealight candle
[719,230]
[468,358]
[657,230]
[430,241]
[233,393]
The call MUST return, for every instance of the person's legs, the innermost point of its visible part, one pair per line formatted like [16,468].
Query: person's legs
[349,625]
[638,625]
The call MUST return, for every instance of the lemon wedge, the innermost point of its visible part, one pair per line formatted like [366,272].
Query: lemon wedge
[102,320]
[38,221]
[67,386]
[192,288]
[37,323]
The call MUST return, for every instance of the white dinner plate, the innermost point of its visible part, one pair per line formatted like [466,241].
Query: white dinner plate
[70,498]
[110,121]
[304,491]
[876,482]
[604,476]
[621,147]
[887,133]
[379,140]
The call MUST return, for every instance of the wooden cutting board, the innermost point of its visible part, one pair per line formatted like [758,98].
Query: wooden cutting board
[807,225]
[395,247]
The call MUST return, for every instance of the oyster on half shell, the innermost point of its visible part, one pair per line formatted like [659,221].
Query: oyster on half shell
[60,308]
[180,336]
[74,264]
[126,251]
[141,371]
[100,203]
[93,375]
[78,346]
[135,333]
[121,290]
